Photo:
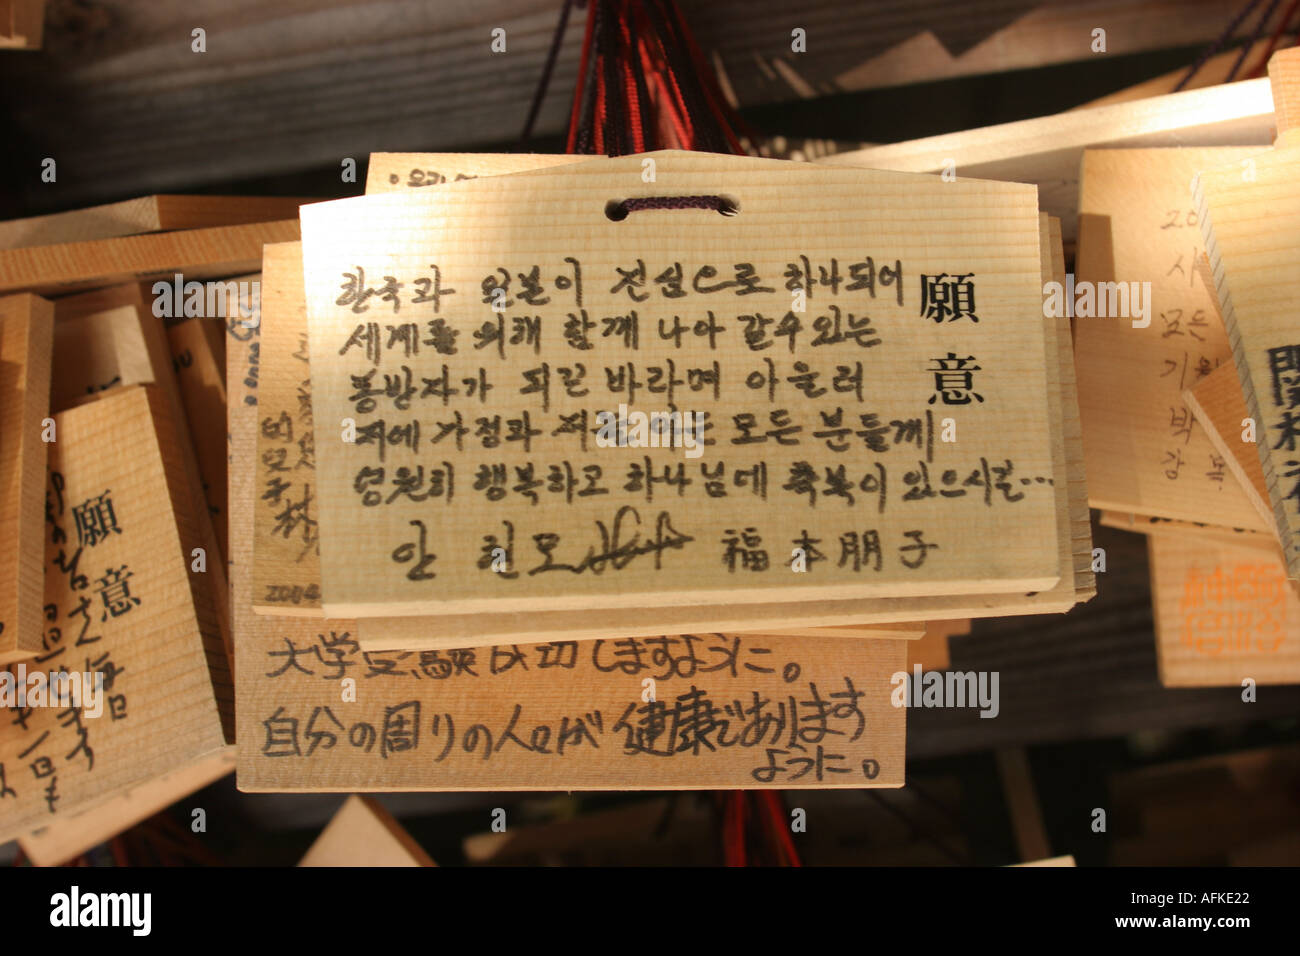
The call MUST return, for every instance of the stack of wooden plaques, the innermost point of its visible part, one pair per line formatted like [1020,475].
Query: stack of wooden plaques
[114,608]
[525,587]
[445,575]
[1185,407]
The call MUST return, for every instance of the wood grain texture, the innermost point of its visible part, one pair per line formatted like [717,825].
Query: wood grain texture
[85,314]
[286,561]
[1224,612]
[26,324]
[1145,454]
[96,352]
[1073,536]
[1220,408]
[480,222]
[125,605]
[286,549]
[202,383]
[1047,150]
[298,732]
[363,833]
[1150,524]
[1250,218]
[132,217]
[196,253]
[61,842]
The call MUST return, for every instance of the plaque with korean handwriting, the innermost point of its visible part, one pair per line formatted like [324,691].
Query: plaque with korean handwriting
[1250,218]
[318,712]
[534,402]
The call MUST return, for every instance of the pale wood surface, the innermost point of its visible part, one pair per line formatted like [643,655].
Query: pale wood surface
[96,352]
[1074,543]
[1144,451]
[1223,611]
[393,234]
[363,833]
[462,630]
[90,310]
[1250,218]
[1220,408]
[283,711]
[133,217]
[25,346]
[196,253]
[65,840]
[1046,150]
[286,550]
[165,673]
[202,385]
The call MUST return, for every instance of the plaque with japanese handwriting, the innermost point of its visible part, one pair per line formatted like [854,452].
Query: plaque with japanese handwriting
[131,679]
[108,339]
[25,346]
[1250,217]
[1145,331]
[286,550]
[514,466]
[1220,408]
[1224,612]
[316,712]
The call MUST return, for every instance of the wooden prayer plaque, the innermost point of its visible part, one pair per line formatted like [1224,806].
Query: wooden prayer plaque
[202,383]
[197,254]
[124,606]
[109,339]
[422,721]
[25,344]
[57,843]
[1250,216]
[96,352]
[1220,408]
[133,217]
[1074,542]
[512,473]
[1224,612]
[279,384]
[1137,235]
[286,550]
